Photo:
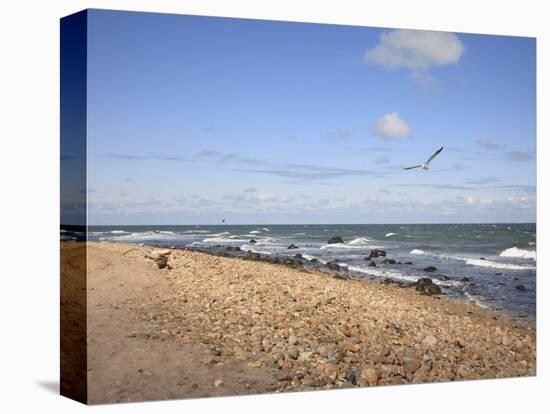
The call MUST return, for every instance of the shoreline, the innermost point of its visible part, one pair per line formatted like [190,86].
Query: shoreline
[343,272]
[205,325]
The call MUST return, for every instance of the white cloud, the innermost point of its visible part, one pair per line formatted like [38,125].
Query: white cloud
[416,50]
[391,126]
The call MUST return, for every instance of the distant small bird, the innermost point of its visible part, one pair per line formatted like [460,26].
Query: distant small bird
[223,220]
[426,165]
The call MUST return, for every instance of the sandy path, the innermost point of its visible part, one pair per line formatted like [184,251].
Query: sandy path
[124,364]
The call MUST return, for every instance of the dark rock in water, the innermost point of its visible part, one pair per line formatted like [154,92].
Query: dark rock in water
[520,287]
[377,253]
[335,239]
[389,261]
[333,266]
[408,263]
[372,264]
[422,282]
[288,261]
[292,246]
[465,279]
[430,269]
[482,258]
[432,289]
[314,260]
[298,256]
[498,274]
[252,241]
[233,248]
[340,276]
[444,278]
[425,284]
[254,256]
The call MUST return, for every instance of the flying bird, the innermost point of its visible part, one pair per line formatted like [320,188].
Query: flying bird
[426,165]
[223,220]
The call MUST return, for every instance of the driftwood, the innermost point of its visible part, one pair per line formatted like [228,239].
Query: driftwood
[160,257]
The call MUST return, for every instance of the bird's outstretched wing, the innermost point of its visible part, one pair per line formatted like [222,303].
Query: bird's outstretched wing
[434,155]
[414,166]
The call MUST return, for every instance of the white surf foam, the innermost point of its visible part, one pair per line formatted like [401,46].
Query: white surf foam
[519,253]
[196,232]
[390,234]
[141,236]
[475,300]
[359,240]
[417,251]
[224,240]
[311,257]
[255,232]
[497,265]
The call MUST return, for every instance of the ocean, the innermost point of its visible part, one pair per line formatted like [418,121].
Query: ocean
[484,263]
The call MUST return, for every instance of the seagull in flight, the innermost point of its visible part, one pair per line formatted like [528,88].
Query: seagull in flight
[426,165]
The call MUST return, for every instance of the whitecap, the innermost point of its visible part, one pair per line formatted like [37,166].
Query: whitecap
[497,265]
[359,240]
[255,232]
[390,234]
[311,257]
[141,236]
[417,251]
[223,240]
[520,253]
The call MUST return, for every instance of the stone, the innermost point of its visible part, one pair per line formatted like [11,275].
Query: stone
[292,340]
[292,246]
[389,261]
[333,266]
[412,365]
[218,383]
[335,239]
[372,263]
[430,269]
[283,375]
[520,287]
[432,289]
[429,340]
[371,376]
[374,253]
[252,241]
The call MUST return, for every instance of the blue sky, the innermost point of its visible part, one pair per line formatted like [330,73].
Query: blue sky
[191,119]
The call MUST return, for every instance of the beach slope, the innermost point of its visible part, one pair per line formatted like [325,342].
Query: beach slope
[206,325]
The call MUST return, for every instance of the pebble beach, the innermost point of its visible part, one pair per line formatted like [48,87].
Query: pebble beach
[295,329]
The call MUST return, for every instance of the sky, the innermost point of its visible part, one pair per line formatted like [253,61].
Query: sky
[193,119]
